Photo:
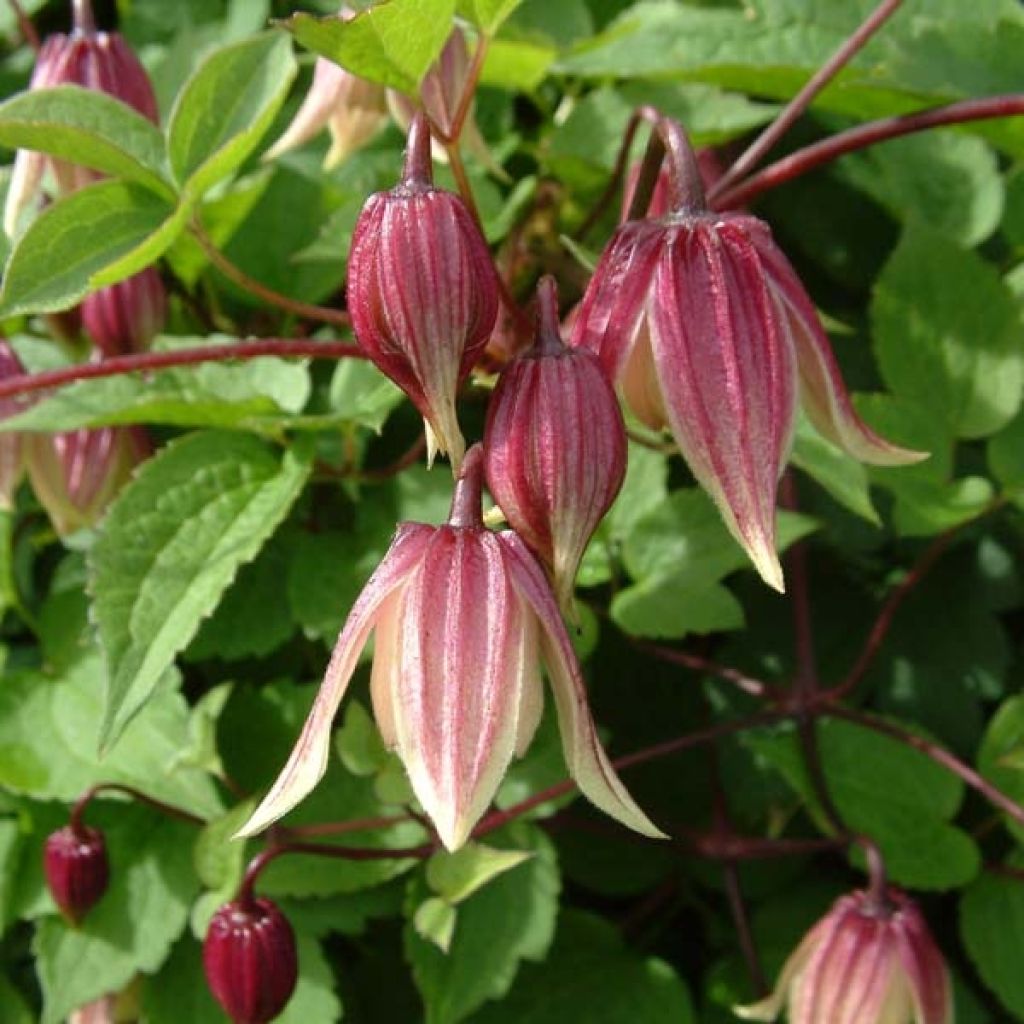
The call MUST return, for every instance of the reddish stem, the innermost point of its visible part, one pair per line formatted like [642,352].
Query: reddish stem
[418,170]
[748,684]
[341,828]
[80,805]
[803,99]
[870,134]
[25,26]
[25,383]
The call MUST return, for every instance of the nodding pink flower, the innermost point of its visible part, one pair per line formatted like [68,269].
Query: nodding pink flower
[12,446]
[351,108]
[422,292]
[705,327]
[101,61]
[125,317]
[76,869]
[464,618]
[75,475]
[555,446]
[250,960]
[868,961]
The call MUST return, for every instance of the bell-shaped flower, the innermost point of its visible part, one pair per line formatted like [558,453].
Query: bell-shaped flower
[76,869]
[705,328]
[422,291]
[12,445]
[76,474]
[125,317]
[101,61]
[555,446]
[870,960]
[351,108]
[464,617]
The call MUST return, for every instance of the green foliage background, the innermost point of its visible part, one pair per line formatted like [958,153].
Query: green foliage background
[184,636]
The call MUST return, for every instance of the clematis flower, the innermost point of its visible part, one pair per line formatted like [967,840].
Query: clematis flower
[463,618]
[866,962]
[350,107]
[705,328]
[102,61]
[422,291]
[555,447]
[125,317]
[76,869]
[76,474]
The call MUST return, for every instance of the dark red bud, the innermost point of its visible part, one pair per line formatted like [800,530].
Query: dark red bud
[250,960]
[77,871]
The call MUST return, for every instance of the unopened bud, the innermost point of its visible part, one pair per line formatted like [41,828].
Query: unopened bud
[12,455]
[555,447]
[250,960]
[125,317]
[76,868]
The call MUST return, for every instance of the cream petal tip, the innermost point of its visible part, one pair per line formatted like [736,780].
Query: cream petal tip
[768,566]
[893,456]
[766,1010]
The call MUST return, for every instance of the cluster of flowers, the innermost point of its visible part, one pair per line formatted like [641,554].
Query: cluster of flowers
[697,320]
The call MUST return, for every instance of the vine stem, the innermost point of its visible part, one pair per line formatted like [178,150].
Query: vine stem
[25,26]
[287,348]
[235,273]
[80,805]
[748,684]
[862,136]
[753,154]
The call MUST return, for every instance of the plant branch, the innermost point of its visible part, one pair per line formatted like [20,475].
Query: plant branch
[940,755]
[753,154]
[748,684]
[870,134]
[235,273]
[80,805]
[285,348]
[341,828]
[25,26]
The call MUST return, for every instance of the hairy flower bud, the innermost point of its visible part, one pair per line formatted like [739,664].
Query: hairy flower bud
[422,292]
[125,317]
[463,618]
[76,869]
[555,447]
[351,108]
[868,961]
[101,61]
[250,960]
[704,326]
[12,446]
[76,474]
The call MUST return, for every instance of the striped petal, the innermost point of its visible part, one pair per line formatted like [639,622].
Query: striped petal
[726,367]
[585,758]
[308,760]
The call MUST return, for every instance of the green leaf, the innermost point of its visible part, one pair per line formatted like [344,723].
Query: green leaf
[888,791]
[49,729]
[226,107]
[255,394]
[591,975]
[218,861]
[992,929]
[392,43]
[68,246]
[487,15]
[1006,454]
[948,334]
[945,180]
[169,547]
[667,606]
[88,128]
[361,394]
[510,920]
[132,928]
[456,876]
[840,474]
[1001,756]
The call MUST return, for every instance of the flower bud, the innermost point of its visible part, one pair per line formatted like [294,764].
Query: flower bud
[555,447]
[76,474]
[422,292]
[76,869]
[704,327]
[868,961]
[125,317]
[250,960]
[102,61]
[12,446]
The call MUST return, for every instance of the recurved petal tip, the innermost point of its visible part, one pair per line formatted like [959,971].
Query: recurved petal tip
[767,564]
